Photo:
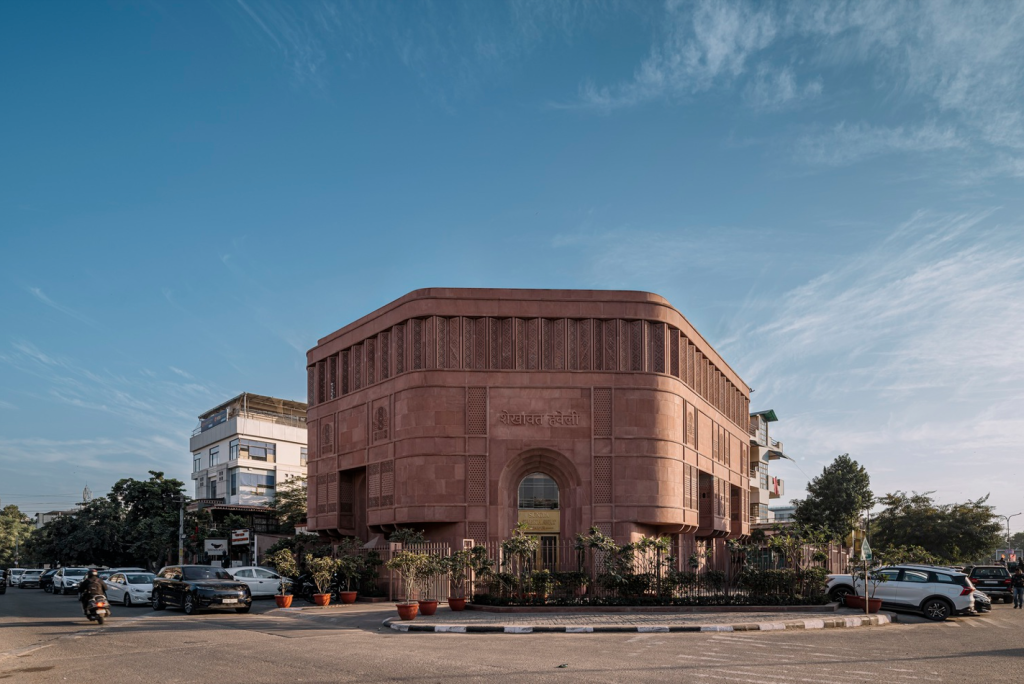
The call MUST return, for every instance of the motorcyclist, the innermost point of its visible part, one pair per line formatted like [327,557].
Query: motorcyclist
[91,586]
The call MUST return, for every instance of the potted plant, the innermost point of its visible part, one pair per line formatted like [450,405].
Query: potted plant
[457,565]
[351,563]
[284,562]
[871,580]
[321,569]
[432,566]
[407,564]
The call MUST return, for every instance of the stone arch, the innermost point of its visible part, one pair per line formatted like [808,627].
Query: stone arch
[573,499]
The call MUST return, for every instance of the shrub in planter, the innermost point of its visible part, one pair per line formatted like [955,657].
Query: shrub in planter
[432,566]
[321,570]
[457,565]
[408,564]
[350,565]
[284,562]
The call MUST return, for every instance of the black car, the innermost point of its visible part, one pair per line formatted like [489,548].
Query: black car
[993,580]
[3,582]
[46,580]
[191,587]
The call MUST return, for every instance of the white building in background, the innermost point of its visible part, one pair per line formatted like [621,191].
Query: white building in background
[763,450]
[49,516]
[246,447]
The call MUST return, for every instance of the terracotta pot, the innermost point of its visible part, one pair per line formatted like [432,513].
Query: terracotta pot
[428,607]
[457,603]
[874,605]
[322,599]
[347,596]
[283,601]
[407,611]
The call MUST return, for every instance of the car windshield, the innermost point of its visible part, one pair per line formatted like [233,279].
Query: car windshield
[145,578]
[75,572]
[205,574]
[33,572]
[991,573]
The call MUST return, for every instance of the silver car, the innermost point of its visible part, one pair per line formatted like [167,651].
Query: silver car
[130,588]
[261,581]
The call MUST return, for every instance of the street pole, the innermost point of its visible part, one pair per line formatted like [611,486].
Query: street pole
[181,531]
[1007,519]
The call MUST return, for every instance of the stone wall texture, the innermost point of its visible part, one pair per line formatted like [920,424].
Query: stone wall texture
[430,411]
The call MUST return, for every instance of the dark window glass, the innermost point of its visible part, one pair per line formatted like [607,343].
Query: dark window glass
[538,491]
[233,450]
[205,573]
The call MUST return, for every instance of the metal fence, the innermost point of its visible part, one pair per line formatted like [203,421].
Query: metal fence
[564,572]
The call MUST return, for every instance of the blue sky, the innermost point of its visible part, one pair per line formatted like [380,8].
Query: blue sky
[830,192]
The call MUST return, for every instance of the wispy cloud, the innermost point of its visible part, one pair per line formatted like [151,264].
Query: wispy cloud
[849,143]
[907,355]
[41,296]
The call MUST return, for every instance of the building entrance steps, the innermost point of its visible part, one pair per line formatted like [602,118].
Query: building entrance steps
[447,621]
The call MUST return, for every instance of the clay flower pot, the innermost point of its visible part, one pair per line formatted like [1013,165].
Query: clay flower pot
[347,596]
[322,599]
[457,603]
[858,602]
[428,607]
[283,601]
[407,611]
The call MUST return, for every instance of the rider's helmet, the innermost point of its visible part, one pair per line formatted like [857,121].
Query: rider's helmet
[92,573]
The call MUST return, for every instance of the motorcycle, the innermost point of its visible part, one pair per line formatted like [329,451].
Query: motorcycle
[98,609]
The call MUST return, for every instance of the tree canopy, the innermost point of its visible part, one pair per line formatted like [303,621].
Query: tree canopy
[953,533]
[135,524]
[15,529]
[836,498]
[290,504]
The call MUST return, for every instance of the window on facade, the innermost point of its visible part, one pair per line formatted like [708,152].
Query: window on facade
[538,491]
[214,455]
[213,489]
[234,483]
[196,463]
[257,451]
[233,450]
[303,456]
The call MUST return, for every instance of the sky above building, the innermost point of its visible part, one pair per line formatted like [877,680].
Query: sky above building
[191,194]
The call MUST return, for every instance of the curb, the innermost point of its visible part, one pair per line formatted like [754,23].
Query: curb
[828,623]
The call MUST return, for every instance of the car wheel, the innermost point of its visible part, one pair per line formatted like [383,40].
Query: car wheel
[839,593]
[937,609]
[189,606]
[158,601]
[127,600]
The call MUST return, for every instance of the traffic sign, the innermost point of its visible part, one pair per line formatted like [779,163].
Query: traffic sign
[865,551]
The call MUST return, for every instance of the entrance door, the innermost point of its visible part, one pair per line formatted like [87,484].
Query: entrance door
[547,552]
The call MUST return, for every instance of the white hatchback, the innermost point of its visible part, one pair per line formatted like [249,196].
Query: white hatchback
[262,582]
[130,588]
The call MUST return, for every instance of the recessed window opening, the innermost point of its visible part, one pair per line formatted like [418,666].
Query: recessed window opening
[538,491]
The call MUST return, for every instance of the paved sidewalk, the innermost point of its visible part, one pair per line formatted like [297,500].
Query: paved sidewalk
[525,623]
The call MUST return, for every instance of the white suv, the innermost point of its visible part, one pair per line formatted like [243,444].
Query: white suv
[936,592]
[14,576]
[66,580]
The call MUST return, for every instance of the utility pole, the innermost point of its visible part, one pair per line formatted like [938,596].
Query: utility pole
[181,530]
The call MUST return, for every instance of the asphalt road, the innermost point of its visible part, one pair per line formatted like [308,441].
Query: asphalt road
[44,638]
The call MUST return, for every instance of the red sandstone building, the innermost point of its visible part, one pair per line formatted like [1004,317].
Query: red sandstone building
[463,411]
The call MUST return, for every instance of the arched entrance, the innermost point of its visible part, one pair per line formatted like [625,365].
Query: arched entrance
[538,506]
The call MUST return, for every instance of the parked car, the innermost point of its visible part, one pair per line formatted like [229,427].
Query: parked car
[191,587]
[994,580]
[130,588]
[936,592]
[982,603]
[14,576]
[46,580]
[105,574]
[3,582]
[261,581]
[65,580]
[30,579]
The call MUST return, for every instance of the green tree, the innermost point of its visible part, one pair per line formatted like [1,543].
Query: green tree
[836,498]
[953,533]
[16,529]
[151,510]
[290,504]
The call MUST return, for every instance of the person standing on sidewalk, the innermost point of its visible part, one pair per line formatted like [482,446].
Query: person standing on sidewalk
[1017,582]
